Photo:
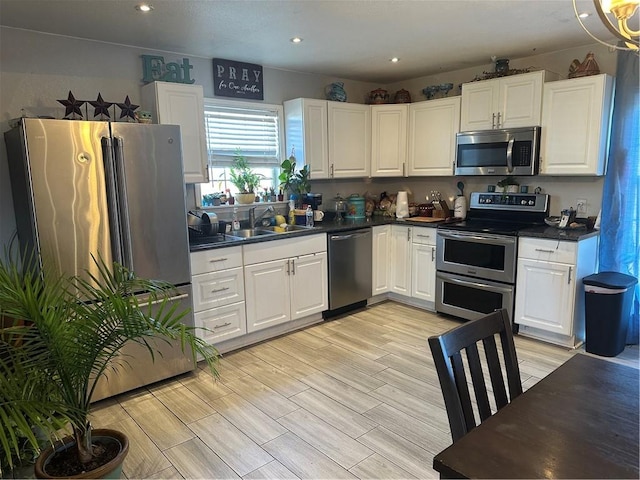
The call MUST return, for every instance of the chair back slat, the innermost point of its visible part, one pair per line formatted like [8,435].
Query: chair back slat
[446,350]
[495,372]
[477,377]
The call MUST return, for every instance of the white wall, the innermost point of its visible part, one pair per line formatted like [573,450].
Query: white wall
[37,69]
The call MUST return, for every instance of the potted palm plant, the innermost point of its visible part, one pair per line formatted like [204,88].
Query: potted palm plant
[244,179]
[54,348]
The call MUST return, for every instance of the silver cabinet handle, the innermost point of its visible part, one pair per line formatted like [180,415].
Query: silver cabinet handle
[331,171]
[213,260]
[288,267]
[493,120]
[499,115]
[433,254]
[293,267]
[544,251]
[569,279]
[404,174]
[218,290]
[223,325]
[423,236]
[408,234]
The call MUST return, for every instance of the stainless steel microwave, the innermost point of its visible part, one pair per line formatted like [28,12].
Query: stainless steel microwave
[511,151]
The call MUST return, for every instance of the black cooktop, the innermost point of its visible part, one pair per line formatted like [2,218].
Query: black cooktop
[502,213]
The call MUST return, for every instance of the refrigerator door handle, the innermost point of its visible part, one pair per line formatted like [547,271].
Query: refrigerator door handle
[112,198]
[125,230]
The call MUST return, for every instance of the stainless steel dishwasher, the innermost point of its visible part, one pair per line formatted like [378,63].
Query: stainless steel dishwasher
[349,269]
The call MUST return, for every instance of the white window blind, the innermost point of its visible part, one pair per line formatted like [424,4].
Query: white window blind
[252,129]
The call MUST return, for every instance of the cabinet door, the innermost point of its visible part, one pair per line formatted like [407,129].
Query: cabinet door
[180,104]
[388,140]
[423,268]
[267,294]
[306,132]
[432,136]
[478,108]
[545,296]
[349,139]
[520,100]
[575,123]
[223,323]
[380,262]
[309,285]
[400,257]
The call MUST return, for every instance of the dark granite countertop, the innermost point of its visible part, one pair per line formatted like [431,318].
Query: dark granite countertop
[330,226]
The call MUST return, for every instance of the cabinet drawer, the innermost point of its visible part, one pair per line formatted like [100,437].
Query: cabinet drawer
[215,260]
[423,235]
[547,250]
[222,323]
[216,289]
[285,248]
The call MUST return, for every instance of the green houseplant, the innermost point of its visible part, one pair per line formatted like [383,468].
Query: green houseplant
[296,183]
[244,179]
[55,347]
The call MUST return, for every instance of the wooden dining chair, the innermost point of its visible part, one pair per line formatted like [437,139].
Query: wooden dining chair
[447,354]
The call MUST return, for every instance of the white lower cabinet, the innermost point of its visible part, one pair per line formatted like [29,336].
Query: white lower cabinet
[549,301]
[412,270]
[218,294]
[280,287]
[380,263]
[423,264]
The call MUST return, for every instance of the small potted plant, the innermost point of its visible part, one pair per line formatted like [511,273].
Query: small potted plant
[296,183]
[55,346]
[244,179]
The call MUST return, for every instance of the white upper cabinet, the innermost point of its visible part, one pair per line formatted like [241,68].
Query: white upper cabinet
[389,140]
[432,136]
[576,118]
[182,104]
[306,132]
[349,140]
[506,102]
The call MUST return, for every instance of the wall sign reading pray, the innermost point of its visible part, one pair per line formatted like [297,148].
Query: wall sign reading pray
[237,79]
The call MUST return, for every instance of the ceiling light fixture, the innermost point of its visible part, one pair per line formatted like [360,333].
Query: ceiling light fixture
[296,40]
[144,7]
[394,60]
[623,11]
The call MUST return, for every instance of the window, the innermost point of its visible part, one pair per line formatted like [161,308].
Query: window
[253,129]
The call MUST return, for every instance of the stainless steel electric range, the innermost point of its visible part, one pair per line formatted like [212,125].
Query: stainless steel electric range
[477,257]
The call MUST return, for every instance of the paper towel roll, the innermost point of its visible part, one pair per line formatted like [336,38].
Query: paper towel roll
[402,205]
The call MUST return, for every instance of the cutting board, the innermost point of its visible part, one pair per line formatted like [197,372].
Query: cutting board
[426,219]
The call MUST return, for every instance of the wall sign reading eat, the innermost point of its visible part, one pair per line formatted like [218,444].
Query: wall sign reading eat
[154,69]
[237,79]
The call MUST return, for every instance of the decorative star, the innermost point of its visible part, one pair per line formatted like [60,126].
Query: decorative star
[101,107]
[72,106]
[127,109]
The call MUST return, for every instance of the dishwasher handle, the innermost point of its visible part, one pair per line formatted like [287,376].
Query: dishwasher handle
[349,236]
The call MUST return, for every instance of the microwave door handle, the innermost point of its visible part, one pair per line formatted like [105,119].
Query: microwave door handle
[510,154]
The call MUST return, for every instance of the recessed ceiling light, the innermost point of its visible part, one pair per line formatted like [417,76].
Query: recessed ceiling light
[296,40]
[584,15]
[144,7]
[394,60]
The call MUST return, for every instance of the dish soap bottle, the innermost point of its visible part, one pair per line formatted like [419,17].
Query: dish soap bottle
[235,223]
[292,213]
[309,215]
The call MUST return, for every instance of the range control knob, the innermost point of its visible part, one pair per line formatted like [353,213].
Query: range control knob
[532,202]
[523,202]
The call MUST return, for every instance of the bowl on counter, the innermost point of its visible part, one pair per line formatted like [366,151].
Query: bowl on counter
[552,221]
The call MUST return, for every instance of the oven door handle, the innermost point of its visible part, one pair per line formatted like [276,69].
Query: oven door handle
[484,286]
[485,238]
[510,154]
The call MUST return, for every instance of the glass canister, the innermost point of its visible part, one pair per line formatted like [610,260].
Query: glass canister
[355,207]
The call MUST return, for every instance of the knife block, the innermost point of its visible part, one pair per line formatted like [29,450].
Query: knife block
[441,209]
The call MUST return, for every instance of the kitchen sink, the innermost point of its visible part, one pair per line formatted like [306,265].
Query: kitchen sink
[250,233]
[287,229]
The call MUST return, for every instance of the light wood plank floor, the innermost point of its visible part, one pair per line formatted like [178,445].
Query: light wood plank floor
[356,397]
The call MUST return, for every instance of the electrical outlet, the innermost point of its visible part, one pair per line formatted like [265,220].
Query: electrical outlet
[581,206]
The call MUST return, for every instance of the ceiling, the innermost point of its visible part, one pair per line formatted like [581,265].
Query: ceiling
[351,39]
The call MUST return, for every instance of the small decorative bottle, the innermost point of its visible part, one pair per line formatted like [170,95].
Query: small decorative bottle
[235,223]
[309,215]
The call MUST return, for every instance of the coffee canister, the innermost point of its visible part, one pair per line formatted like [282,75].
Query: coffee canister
[402,205]
[355,207]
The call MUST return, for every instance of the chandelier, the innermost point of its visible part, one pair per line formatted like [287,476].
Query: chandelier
[624,11]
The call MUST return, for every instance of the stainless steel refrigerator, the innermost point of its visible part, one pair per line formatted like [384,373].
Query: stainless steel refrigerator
[114,191]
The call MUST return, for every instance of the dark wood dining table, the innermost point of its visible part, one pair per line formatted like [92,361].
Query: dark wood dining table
[581,421]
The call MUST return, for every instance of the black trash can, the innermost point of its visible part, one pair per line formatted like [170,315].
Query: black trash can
[608,297]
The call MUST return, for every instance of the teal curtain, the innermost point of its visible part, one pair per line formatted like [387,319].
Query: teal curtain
[620,222]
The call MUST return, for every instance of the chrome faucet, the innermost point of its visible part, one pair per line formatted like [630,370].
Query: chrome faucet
[252,215]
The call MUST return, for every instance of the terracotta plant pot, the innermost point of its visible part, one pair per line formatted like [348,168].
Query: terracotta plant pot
[245,198]
[111,469]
